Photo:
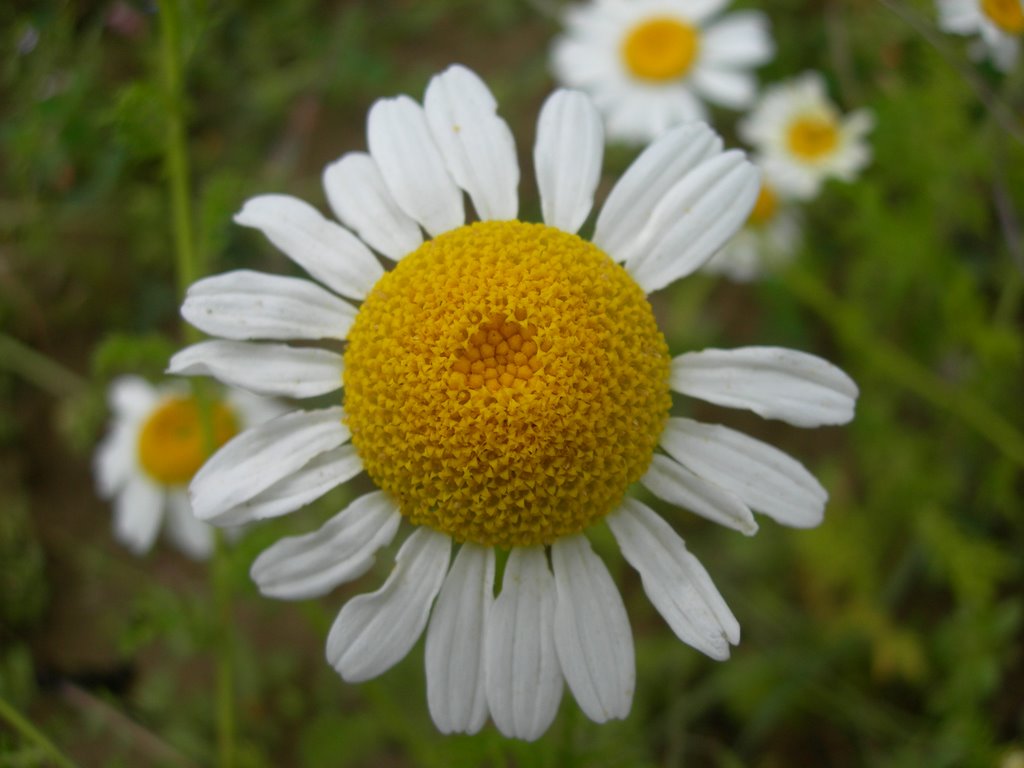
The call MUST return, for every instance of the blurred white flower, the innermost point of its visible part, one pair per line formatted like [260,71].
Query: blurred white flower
[649,64]
[153,448]
[998,23]
[802,139]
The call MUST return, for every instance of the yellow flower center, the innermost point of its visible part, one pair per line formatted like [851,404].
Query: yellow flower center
[171,442]
[660,49]
[811,137]
[765,206]
[1008,15]
[506,383]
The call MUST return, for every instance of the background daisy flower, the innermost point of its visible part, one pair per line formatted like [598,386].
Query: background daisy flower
[998,23]
[152,450]
[504,385]
[649,64]
[768,240]
[802,138]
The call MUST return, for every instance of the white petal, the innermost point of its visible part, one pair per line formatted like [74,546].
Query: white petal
[328,470]
[738,40]
[524,681]
[254,409]
[696,218]
[674,580]
[726,87]
[671,481]
[260,457]
[455,662]
[138,511]
[592,635]
[959,16]
[567,158]
[412,166]
[253,305]
[115,458]
[763,477]
[344,548]
[627,211]
[773,382]
[699,10]
[374,632]
[476,144]
[1004,50]
[131,396]
[268,369]
[189,534]
[329,252]
[360,199]
[643,116]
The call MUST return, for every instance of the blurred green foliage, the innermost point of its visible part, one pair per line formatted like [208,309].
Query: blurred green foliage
[889,636]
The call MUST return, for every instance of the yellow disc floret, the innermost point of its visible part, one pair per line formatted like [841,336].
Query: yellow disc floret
[1008,15]
[660,49]
[172,446]
[812,137]
[506,383]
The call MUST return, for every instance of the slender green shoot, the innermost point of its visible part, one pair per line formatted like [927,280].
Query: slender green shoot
[30,733]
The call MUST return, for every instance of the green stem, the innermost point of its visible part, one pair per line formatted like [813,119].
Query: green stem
[225,655]
[176,150]
[189,269]
[20,724]
[37,368]
[853,330]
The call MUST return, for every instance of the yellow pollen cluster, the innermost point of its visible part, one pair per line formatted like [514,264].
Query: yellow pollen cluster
[812,137]
[660,49]
[501,353]
[1008,15]
[765,207]
[506,383]
[171,442]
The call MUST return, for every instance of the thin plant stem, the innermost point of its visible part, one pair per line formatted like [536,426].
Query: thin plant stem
[225,654]
[32,734]
[144,741]
[189,268]
[35,367]
[176,150]
[853,330]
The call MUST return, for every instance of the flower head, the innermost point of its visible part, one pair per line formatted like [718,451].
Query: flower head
[504,385]
[154,447]
[649,64]
[767,241]
[998,23]
[803,139]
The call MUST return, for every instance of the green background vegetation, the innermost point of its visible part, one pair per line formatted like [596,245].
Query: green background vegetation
[889,636]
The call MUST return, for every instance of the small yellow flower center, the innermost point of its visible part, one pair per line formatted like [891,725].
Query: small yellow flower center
[659,49]
[1008,15]
[171,443]
[765,206]
[506,383]
[813,136]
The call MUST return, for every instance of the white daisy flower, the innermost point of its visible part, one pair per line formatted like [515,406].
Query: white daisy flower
[803,139]
[648,64]
[504,385]
[152,450]
[998,23]
[768,240]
